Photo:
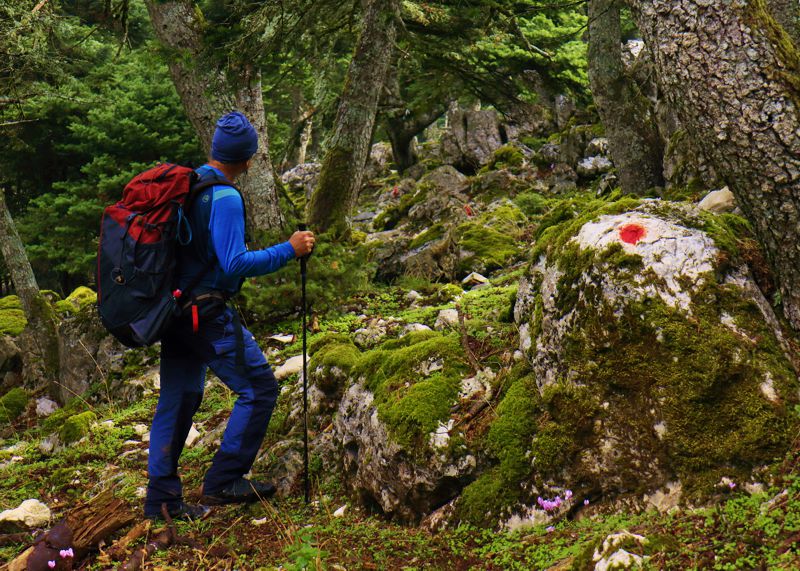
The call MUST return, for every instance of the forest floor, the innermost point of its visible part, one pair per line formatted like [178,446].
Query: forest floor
[759,530]
[744,529]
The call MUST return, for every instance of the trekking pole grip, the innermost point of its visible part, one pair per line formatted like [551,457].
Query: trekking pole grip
[302,227]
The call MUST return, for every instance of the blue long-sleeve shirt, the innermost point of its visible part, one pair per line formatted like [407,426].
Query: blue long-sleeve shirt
[217,222]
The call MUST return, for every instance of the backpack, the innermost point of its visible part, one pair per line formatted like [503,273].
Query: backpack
[136,259]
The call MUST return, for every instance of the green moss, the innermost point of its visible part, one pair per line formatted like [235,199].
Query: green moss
[759,16]
[342,356]
[433,233]
[320,341]
[76,426]
[12,404]
[533,203]
[484,246]
[706,376]
[616,256]
[79,299]
[419,410]
[507,156]
[10,302]
[508,442]
[565,221]
[409,403]
[727,230]
[12,322]
[565,427]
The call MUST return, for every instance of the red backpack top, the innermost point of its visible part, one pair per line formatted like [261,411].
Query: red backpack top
[136,253]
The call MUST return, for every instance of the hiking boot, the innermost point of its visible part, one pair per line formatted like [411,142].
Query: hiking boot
[241,491]
[182,511]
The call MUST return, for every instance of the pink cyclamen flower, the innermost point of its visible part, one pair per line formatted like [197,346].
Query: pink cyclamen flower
[550,529]
[51,564]
[586,502]
[732,485]
[64,553]
[568,494]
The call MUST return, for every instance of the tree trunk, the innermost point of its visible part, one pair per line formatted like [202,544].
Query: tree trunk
[633,139]
[258,183]
[734,77]
[348,148]
[206,95]
[42,323]
[786,13]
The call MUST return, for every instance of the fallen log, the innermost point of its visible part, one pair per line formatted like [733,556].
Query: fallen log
[80,531]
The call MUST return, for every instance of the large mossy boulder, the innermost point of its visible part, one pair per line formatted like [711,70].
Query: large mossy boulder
[657,366]
[384,419]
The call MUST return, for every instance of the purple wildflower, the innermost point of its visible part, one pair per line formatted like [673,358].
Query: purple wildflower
[568,494]
[586,502]
[51,564]
[550,529]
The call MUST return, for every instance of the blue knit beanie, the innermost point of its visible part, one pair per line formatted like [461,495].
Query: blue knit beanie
[235,140]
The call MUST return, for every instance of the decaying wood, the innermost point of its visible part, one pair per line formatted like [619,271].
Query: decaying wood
[163,539]
[82,529]
[120,547]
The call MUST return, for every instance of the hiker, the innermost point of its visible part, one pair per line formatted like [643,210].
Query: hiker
[209,335]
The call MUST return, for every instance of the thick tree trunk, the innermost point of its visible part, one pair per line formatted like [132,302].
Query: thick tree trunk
[206,95]
[348,148]
[734,77]
[633,139]
[42,323]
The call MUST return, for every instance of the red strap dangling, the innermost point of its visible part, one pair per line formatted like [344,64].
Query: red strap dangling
[195,319]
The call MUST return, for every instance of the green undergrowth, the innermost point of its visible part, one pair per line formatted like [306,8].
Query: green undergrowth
[507,156]
[336,271]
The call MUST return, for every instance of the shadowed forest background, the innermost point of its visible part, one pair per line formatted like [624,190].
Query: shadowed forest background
[554,305]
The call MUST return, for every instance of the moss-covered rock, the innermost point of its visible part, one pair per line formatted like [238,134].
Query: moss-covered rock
[12,404]
[79,299]
[76,426]
[399,445]
[653,357]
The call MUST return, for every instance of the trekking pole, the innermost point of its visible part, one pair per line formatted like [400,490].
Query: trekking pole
[303,271]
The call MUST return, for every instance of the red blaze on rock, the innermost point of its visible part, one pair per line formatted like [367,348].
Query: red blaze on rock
[632,233]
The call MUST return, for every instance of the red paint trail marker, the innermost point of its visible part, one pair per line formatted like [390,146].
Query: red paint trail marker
[632,233]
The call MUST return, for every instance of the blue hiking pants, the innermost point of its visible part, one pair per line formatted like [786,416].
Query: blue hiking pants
[184,358]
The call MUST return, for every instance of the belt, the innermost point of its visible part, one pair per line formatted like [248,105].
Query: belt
[214,294]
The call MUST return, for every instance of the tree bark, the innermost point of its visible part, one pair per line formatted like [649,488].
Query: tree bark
[42,322]
[348,148]
[733,75]
[206,95]
[786,13]
[630,127]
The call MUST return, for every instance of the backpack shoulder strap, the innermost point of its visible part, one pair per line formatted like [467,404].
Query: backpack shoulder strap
[197,185]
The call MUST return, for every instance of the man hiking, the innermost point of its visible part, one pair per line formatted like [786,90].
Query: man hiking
[209,335]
